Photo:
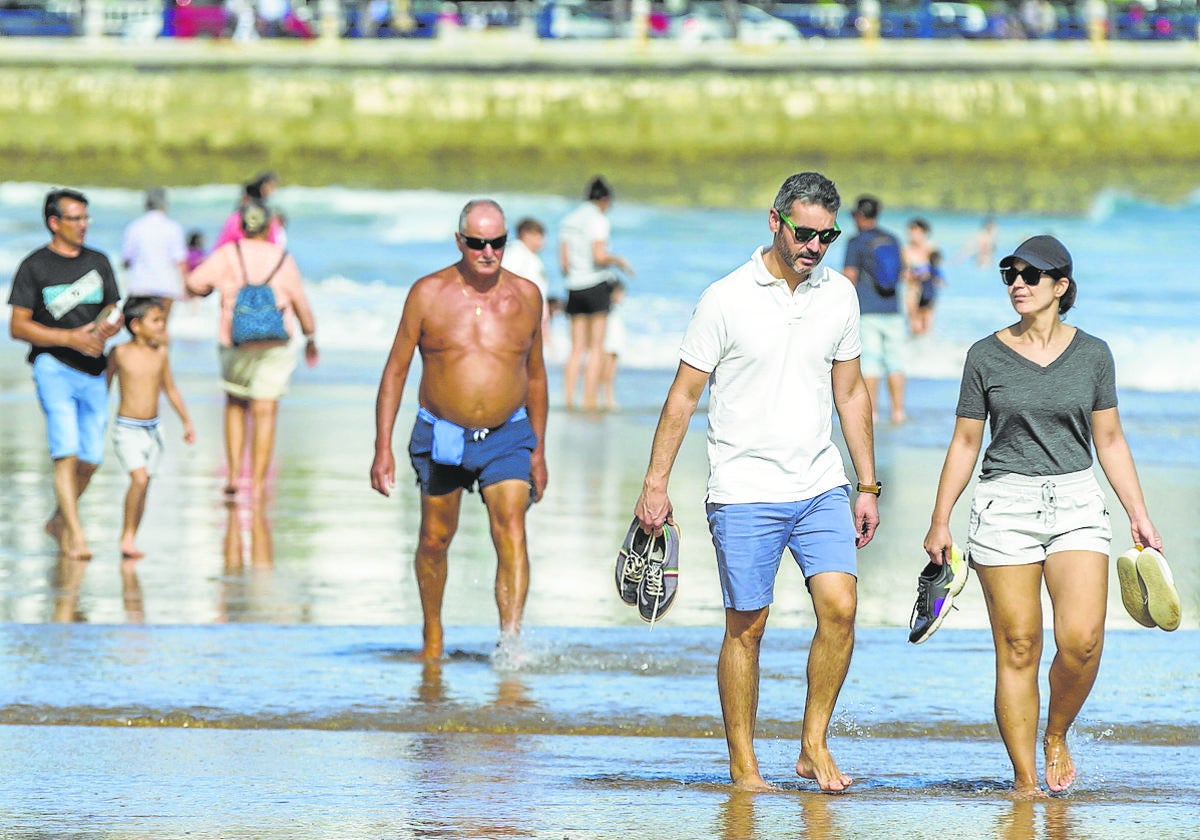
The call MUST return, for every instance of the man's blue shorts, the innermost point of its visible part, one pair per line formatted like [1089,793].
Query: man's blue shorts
[76,408]
[500,454]
[750,539]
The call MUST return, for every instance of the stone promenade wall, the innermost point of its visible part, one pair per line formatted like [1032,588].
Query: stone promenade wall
[994,140]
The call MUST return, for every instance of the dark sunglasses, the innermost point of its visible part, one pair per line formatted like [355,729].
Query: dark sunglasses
[804,235]
[475,243]
[1032,276]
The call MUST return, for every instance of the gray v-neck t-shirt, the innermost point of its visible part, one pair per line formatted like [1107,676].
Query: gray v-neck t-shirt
[1040,418]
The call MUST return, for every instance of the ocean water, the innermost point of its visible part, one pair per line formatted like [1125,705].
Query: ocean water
[361,249]
[253,731]
[253,676]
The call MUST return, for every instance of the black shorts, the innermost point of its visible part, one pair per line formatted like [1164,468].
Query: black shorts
[595,300]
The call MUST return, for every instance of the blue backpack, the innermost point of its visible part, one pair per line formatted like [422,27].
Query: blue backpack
[256,317]
[884,264]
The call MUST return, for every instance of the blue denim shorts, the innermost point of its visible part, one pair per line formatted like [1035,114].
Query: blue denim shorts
[76,408]
[750,539]
[503,453]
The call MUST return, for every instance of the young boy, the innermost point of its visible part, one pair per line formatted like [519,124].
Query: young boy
[144,371]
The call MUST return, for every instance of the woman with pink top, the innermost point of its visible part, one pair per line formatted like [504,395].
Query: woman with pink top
[255,373]
[259,190]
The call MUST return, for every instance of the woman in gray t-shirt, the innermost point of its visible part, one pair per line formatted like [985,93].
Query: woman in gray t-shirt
[1048,394]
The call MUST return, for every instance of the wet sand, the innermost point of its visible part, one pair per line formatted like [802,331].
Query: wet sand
[144,714]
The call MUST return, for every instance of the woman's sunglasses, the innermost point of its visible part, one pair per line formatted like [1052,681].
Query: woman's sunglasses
[1032,276]
[804,235]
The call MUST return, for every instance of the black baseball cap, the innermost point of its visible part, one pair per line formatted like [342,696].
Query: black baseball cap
[1044,253]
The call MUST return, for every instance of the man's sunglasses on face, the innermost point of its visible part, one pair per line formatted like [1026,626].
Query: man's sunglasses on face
[804,235]
[476,243]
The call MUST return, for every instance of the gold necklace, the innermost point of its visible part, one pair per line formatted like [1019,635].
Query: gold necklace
[478,306]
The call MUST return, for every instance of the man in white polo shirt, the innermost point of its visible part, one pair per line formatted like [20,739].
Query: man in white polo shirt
[777,343]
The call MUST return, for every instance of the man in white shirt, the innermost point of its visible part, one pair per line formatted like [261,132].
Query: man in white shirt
[154,252]
[587,267]
[777,343]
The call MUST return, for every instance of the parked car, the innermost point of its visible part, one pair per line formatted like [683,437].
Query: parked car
[31,17]
[577,19]
[944,20]
[423,14]
[709,21]
[818,20]
[963,18]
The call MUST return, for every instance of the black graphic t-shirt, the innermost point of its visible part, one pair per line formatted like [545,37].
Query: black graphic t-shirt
[65,292]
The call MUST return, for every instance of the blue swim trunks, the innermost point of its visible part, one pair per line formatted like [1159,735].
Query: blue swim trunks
[750,539]
[486,456]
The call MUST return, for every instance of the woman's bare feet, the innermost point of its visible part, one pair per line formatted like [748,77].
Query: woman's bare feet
[1060,767]
[1032,791]
[821,768]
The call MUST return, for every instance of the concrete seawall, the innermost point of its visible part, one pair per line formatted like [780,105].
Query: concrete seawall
[1047,138]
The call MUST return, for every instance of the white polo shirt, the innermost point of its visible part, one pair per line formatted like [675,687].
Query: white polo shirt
[769,354]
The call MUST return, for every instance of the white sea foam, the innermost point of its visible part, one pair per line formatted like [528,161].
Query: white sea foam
[360,251]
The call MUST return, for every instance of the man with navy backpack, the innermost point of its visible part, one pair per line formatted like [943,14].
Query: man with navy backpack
[875,267]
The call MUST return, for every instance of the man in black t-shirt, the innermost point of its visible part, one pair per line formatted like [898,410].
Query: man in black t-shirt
[57,297]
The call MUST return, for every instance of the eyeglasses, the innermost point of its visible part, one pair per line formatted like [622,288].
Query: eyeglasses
[75,219]
[1032,276]
[804,235]
[476,243]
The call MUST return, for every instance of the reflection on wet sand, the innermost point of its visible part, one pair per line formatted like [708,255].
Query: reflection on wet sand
[131,593]
[739,820]
[241,516]
[450,764]
[66,580]
[247,587]
[1021,821]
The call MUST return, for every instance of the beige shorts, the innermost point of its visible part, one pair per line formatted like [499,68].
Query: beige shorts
[138,443]
[257,373]
[1019,519]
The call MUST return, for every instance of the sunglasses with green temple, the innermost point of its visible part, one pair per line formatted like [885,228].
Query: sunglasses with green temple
[804,235]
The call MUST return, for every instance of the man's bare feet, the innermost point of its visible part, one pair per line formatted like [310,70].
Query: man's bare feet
[822,769]
[753,782]
[434,646]
[54,528]
[74,549]
[1060,767]
[129,549]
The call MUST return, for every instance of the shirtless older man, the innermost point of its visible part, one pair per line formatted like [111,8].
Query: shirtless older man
[482,411]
